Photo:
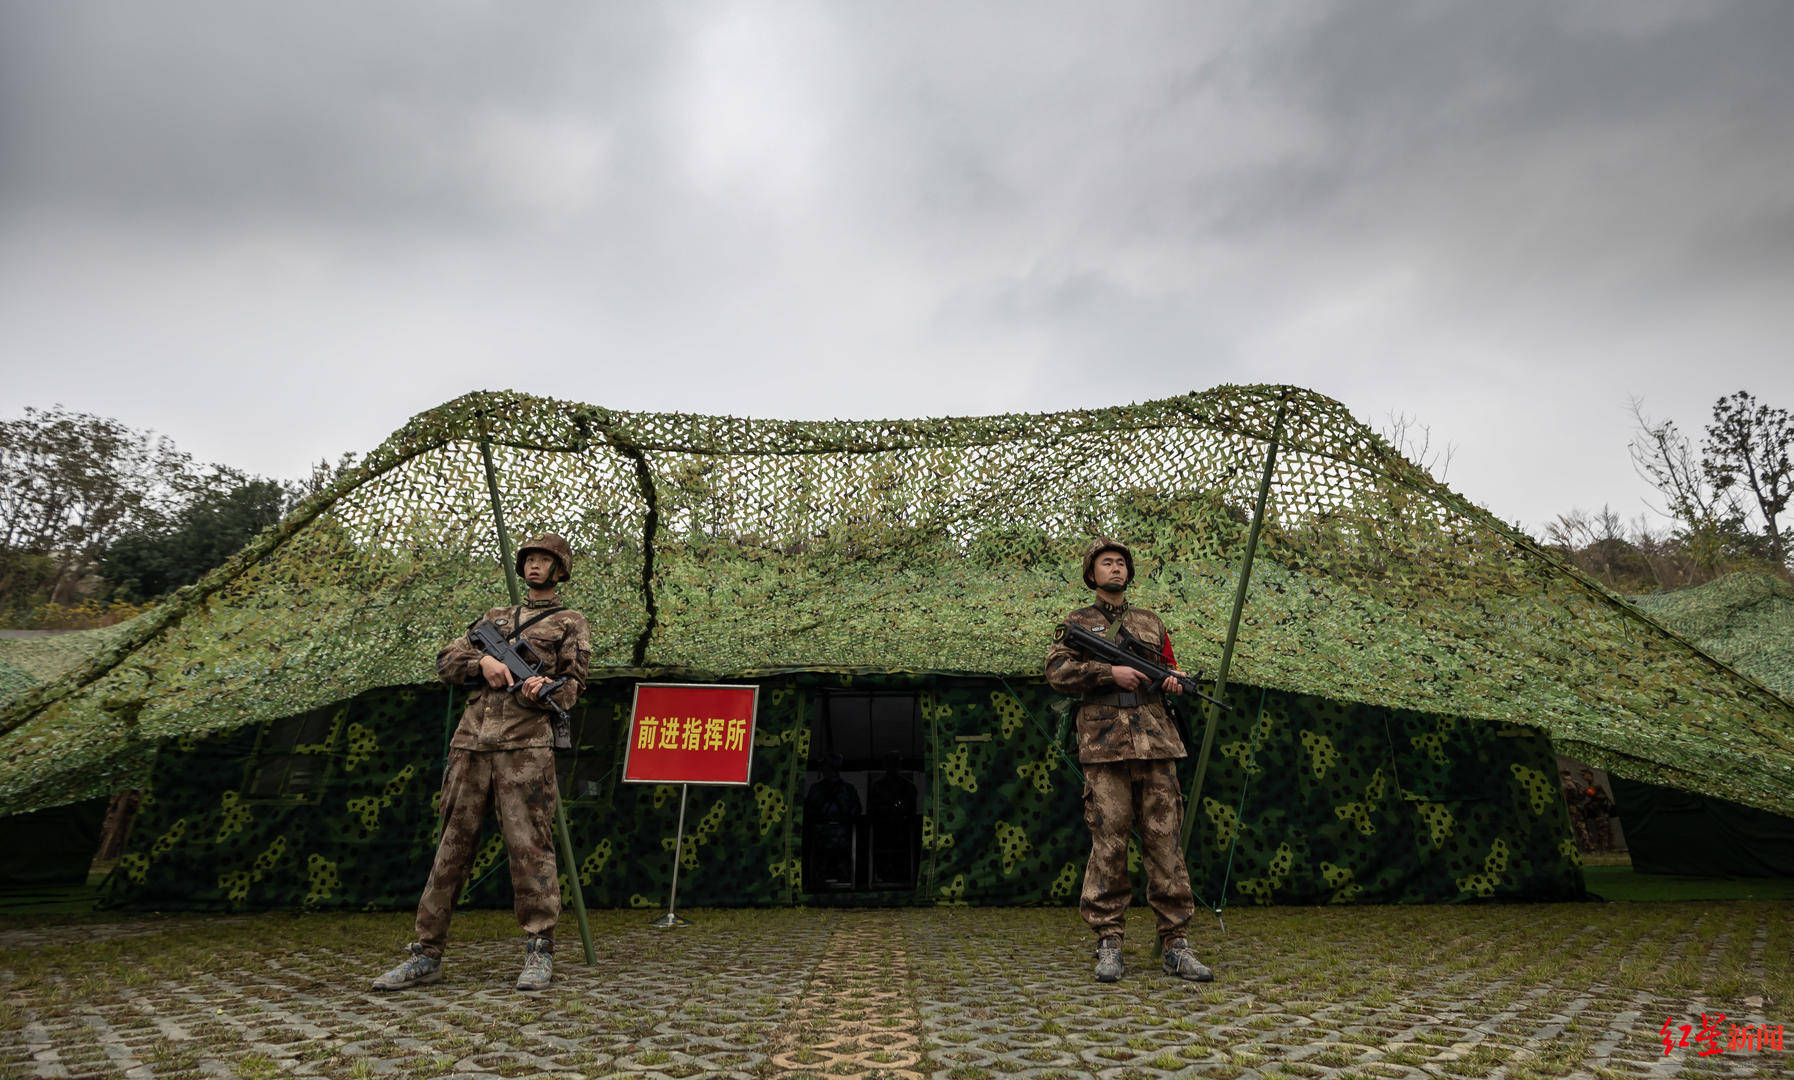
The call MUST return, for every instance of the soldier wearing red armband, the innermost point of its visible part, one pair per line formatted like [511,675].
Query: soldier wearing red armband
[1129,748]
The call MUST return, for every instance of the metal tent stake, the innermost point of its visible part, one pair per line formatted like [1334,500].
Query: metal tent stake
[564,840]
[1233,623]
[670,920]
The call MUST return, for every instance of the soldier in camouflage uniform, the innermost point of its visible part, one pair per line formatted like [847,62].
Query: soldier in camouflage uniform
[1129,750]
[1573,803]
[1597,814]
[503,753]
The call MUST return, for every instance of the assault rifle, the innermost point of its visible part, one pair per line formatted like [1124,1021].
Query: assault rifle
[490,640]
[1128,651]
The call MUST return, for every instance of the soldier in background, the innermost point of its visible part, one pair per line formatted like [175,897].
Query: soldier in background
[1573,803]
[831,813]
[891,804]
[1129,750]
[503,753]
[1597,813]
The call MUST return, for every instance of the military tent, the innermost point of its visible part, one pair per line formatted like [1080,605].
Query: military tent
[1746,619]
[1405,661]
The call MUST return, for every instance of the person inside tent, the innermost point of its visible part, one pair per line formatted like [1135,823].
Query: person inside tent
[503,754]
[891,804]
[831,813]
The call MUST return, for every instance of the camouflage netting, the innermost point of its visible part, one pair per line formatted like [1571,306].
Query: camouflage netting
[1745,619]
[28,661]
[714,546]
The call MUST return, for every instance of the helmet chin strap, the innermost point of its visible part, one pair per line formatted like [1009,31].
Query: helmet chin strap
[1115,590]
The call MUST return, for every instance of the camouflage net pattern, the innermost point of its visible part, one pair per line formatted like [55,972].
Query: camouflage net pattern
[714,546]
[1745,619]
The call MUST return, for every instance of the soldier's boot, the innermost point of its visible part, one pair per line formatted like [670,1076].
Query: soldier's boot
[1108,959]
[538,965]
[417,970]
[1180,961]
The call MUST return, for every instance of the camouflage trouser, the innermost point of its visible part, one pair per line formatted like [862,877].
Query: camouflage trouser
[521,783]
[1115,795]
[1599,828]
[1579,825]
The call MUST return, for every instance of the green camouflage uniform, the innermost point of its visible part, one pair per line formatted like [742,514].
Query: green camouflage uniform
[503,754]
[1129,750]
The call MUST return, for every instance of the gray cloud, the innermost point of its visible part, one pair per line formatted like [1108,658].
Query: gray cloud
[275,231]
[439,116]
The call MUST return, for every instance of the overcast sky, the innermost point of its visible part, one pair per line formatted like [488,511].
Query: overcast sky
[274,232]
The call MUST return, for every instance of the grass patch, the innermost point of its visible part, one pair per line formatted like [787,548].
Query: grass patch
[1622,883]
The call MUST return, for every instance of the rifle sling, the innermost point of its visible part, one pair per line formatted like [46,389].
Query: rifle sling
[478,681]
[533,620]
[560,734]
[1113,631]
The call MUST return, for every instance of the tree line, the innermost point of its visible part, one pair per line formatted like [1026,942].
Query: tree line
[1724,503]
[98,518]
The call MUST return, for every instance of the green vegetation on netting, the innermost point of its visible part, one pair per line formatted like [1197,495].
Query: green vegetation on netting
[712,546]
[1745,619]
[29,661]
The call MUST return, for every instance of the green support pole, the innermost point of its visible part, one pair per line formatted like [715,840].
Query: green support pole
[1233,623]
[563,838]
[498,517]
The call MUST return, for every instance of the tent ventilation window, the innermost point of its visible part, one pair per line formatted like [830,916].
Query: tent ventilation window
[292,757]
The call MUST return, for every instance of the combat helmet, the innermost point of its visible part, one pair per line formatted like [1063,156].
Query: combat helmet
[1097,547]
[555,548]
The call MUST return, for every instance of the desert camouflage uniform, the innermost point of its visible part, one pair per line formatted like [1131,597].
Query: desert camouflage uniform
[503,753]
[1129,749]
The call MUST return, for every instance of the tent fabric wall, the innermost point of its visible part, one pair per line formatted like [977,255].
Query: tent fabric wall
[51,847]
[1675,832]
[1334,802]
[1747,620]
[1308,801]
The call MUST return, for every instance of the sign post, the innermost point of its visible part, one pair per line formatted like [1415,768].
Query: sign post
[670,919]
[685,734]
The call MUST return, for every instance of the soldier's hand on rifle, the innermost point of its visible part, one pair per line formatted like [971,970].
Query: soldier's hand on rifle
[497,676]
[532,687]
[1126,677]
[1172,686]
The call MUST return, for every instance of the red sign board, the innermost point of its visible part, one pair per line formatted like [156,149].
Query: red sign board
[691,733]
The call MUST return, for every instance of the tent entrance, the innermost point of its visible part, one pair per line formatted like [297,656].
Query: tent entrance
[864,788]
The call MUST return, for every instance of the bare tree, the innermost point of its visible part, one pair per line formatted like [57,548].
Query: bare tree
[1748,447]
[322,475]
[1414,441]
[1663,456]
[1713,530]
[1601,546]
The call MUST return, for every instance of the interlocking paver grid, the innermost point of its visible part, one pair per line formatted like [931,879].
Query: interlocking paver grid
[954,993]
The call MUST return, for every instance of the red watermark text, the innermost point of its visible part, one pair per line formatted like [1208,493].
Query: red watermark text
[1716,1036]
